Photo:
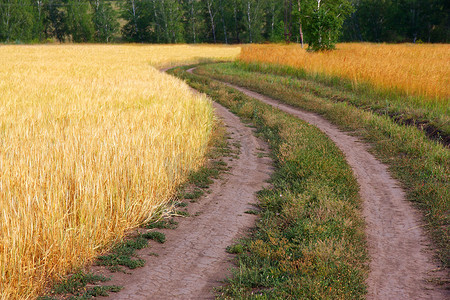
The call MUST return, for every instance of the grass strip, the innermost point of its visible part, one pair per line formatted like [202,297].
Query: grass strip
[420,164]
[309,242]
[433,117]
[77,287]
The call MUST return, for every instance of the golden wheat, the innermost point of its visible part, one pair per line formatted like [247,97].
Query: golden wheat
[414,69]
[93,140]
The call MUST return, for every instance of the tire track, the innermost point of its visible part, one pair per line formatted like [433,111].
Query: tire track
[400,261]
[193,260]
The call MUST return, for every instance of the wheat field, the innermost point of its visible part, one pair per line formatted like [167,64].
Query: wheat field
[417,70]
[93,140]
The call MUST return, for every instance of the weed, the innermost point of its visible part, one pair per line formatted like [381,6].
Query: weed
[180,213]
[202,178]
[193,195]
[181,204]
[122,255]
[156,236]
[75,287]
[162,224]
[235,249]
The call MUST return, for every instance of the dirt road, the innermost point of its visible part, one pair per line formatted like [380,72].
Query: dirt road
[400,261]
[194,260]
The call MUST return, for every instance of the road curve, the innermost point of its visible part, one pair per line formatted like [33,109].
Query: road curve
[193,260]
[400,261]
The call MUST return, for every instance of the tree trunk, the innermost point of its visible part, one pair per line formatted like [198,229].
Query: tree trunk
[300,23]
[193,20]
[287,20]
[223,21]
[236,28]
[211,16]
[272,23]
[249,22]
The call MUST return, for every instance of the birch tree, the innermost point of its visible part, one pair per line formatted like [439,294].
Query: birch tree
[300,31]
[137,14]
[323,22]
[253,11]
[79,21]
[212,14]
[105,20]
[16,20]
[168,16]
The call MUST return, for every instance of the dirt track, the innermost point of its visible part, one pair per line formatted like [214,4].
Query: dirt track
[193,260]
[400,259]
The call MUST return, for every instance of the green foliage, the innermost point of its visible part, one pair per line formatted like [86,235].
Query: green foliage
[105,20]
[323,22]
[399,21]
[234,21]
[153,21]
[137,15]
[16,20]
[79,21]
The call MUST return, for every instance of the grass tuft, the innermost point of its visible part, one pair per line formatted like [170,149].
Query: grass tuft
[156,236]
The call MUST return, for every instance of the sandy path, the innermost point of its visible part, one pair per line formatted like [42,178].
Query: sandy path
[193,259]
[397,244]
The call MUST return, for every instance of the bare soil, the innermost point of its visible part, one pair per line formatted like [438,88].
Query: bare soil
[194,260]
[401,262]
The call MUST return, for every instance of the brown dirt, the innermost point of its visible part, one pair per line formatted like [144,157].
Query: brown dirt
[193,260]
[400,259]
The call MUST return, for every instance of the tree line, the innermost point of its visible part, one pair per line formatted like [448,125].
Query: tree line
[320,23]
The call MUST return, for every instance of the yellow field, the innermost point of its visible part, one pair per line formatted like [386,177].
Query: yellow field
[92,141]
[415,69]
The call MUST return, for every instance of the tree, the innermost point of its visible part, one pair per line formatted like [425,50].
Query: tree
[16,20]
[237,17]
[137,15]
[222,17]
[105,20]
[300,31]
[169,17]
[79,21]
[287,20]
[253,11]
[323,22]
[193,20]
[54,21]
[212,14]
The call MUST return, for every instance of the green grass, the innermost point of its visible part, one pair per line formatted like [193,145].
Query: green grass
[420,164]
[124,254]
[75,287]
[431,116]
[156,236]
[309,242]
[162,224]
